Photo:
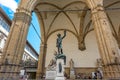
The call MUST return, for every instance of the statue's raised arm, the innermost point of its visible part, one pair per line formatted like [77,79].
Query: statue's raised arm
[64,34]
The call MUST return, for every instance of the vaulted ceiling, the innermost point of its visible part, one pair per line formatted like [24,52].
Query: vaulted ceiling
[72,15]
[57,15]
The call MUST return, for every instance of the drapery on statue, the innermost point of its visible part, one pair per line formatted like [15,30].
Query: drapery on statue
[59,42]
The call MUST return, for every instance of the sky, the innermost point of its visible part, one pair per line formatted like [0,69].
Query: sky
[32,37]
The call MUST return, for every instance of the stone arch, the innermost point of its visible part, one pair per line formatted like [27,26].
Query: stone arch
[16,41]
[40,18]
[42,28]
[111,4]
[78,33]
[45,3]
[29,4]
[96,7]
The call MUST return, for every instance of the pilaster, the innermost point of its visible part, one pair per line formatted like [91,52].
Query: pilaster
[107,46]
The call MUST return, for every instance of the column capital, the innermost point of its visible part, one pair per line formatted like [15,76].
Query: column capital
[21,9]
[22,16]
[43,45]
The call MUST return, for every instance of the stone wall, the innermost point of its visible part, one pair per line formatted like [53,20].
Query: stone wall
[86,58]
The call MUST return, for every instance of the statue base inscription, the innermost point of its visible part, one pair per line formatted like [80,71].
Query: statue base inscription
[50,75]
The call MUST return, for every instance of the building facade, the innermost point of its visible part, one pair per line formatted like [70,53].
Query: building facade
[5,24]
[93,34]
[30,56]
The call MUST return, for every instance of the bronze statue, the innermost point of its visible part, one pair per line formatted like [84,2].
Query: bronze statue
[59,42]
[60,56]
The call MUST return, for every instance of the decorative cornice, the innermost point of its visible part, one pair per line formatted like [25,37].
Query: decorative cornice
[21,9]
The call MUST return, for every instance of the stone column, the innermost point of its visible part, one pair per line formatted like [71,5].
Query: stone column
[119,37]
[41,61]
[14,47]
[107,46]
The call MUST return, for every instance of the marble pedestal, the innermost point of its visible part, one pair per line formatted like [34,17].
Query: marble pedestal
[50,75]
[60,70]
[72,74]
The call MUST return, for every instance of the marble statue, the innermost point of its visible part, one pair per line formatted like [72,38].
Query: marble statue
[72,72]
[99,62]
[52,65]
[71,65]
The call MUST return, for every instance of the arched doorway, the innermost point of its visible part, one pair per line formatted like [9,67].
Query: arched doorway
[63,10]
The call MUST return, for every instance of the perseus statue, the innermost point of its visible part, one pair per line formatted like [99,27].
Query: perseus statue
[59,42]
[60,56]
